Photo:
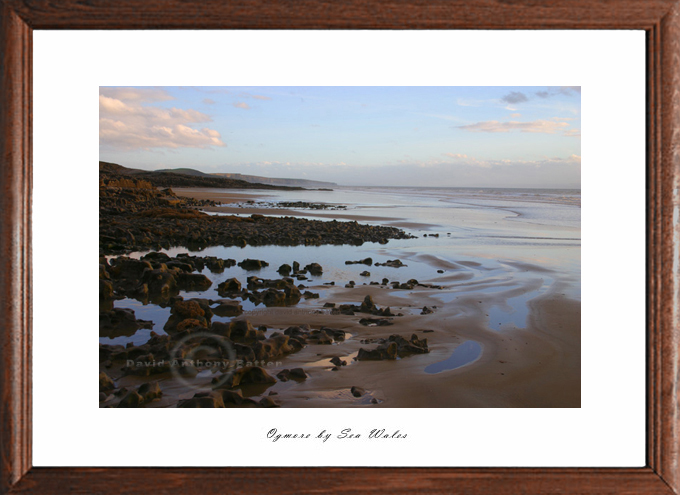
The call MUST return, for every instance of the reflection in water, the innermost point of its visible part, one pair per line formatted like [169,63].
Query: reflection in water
[466,353]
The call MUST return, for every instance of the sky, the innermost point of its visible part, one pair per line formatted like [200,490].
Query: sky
[372,136]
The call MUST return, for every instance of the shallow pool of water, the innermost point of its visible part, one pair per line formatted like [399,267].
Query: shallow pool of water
[466,353]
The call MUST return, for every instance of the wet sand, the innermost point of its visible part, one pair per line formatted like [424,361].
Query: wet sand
[536,366]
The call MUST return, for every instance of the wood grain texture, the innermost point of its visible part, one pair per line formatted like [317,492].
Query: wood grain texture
[669,252]
[341,14]
[347,481]
[659,18]
[15,260]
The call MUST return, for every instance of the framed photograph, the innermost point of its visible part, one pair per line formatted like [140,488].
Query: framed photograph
[407,294]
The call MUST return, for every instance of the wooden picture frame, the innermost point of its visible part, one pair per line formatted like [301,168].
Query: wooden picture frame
[660,19]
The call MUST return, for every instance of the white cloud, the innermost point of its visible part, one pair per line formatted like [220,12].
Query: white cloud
[126,124]
[136,94]
[515,115]
[538,126]
[573,132]
[241,104]
[455,155]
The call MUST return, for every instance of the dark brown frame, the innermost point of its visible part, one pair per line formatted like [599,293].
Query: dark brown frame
[660,19]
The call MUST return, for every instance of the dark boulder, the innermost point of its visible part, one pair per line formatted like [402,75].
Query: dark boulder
[249,264]
[229,286]
[357,391]
[150,391]
[105,383]
[367,306]
[227,308]
[193,282]
[203,400]
[383,351]
[132,399]
[315,269]
[285,269]
[366,261]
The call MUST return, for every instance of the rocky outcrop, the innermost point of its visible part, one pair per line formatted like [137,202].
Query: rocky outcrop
[140,219]
[394,346]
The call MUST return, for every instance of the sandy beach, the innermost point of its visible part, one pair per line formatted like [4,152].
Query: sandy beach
[520,318]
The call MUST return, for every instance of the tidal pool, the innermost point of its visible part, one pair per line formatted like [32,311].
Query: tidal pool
[466,353]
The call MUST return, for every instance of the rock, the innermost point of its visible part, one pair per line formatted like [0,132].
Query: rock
[366,261]
[160,282]
[322,337]
[180,266]
[220,328]
[217,265]
[426,311]
[412,346]
[105,382]
[338,362]
[102,396]
[193,282]
[338,335]
[190,311]
[105,290]
[242,330]
[285,269]
[189,324]
[232,398]
[357,391]
[374,400]
[128,268]
[203,400]
[273,297]
[249,264]
[315,269]
[271,348]
[150,391]
[132,399]
[298,374]
[244,376]
[383,351]
[120,321]
[229,286]
[329,305]
[367,306]
[365,274]
[392,263]
[440,271]
[228,308]
[155,256]
[385,281]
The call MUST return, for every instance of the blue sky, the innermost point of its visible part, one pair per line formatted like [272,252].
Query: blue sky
[395,136]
